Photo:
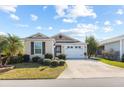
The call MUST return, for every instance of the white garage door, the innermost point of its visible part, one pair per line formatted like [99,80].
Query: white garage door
[74,51]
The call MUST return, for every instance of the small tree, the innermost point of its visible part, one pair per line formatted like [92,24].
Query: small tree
[13,46]
[92,46]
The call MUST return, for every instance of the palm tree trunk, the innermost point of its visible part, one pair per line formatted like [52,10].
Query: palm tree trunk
[7,60]
[0,60]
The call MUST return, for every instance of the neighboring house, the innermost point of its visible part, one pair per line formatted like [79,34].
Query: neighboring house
[116,44]
[39,45]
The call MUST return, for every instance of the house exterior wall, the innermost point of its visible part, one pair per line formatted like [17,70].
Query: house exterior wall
[49,46]
[123,46]
[113,45]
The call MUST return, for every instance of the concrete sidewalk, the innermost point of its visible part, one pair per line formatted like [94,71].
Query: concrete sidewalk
[91,82]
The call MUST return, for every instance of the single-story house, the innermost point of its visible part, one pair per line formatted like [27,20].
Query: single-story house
[39,44]
[115,43]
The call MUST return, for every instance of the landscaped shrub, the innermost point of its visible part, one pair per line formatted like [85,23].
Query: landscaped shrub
[36,59]
[111,55]
[61,62]
[20,59]
[26,58]
[62,56]
[122,58]
[15,59]
[48,56]
[54,63]
[41,60]
[47,62]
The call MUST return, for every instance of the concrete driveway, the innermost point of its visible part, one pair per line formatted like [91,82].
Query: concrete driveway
[90,69]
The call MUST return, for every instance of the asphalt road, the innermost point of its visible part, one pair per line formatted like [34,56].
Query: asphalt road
[85,82]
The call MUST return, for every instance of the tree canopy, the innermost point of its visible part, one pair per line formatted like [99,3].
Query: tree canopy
[92,46]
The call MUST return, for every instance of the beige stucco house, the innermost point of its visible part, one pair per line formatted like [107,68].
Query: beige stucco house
[39,44]
[115,43]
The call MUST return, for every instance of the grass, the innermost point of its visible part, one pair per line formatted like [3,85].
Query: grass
[113,63]
[32,71]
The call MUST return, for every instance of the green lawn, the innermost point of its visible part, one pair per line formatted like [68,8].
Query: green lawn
[113,63]
[32,71]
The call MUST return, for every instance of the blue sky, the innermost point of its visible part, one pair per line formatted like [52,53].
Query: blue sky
[77,21]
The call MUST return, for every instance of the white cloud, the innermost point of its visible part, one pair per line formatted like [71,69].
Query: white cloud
[50,28]
[39,28]
[3,33]
[74,11]
[108,29]
[80,30]
[8,8]
[33,17]
[60,10]
[23,25]
[120,11]
[107,26]
[119,22]
[107,23]
[14,17]
[68,20]
[44,7]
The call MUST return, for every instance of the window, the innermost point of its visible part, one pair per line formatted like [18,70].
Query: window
[58,49]
[79,46]
[68,47]
[75,46]
[38,47]
[71,46]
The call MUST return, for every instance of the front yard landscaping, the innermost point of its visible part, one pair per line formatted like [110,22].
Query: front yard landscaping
[113,63]
[32,70]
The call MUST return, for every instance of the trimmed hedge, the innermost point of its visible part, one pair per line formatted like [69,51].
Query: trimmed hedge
[26,58]
[41,61]
[54,63]
[122,58]
[62,56]
[15,59]
[61,62]
[48,56]
[36,59]
[47,62]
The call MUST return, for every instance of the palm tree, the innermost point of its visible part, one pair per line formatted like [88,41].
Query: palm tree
[3,43]
[13,47]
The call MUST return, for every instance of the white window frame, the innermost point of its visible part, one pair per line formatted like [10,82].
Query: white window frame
[34,47]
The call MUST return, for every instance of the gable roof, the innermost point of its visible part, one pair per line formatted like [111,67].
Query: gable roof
[38,36]
[61,38]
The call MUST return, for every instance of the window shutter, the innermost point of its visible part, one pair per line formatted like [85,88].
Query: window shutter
[32,48]
[43,47]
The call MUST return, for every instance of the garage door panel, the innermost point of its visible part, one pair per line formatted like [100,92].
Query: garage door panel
[74,52]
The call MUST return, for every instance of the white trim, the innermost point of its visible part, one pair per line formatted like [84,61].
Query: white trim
[113,39]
